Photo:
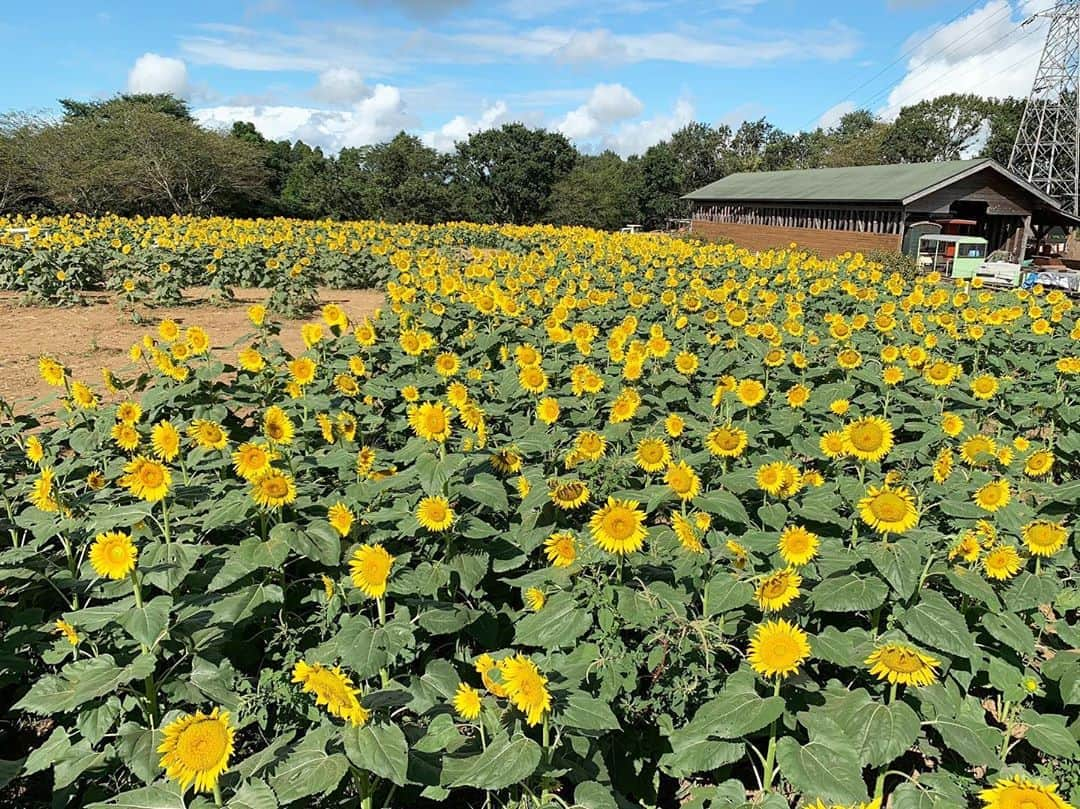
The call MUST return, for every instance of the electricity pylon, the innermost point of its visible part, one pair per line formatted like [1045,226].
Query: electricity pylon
[1047,148]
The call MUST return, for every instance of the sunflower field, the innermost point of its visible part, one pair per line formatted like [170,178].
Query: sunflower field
[576,520]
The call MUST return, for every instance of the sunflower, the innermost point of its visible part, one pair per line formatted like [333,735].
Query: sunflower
[277,426]
[484,666]
[1039,464]
[683,480]
[778,478]
[978,450]
[750,392]
[892,375]
[968,548]
[332,688]
[941,373]
[993,495]
[147,479]
[618,527]
[95,480]
[113,555]
[165,440]
[125,436]
[798,396]
[547,410]
[196,749]
[778,589]
[943,465]
[686,533]
[208,434]
[252,460]
[798,546]
[674,425]
[726,441]
[686,363]
[984,386]
[302,370]
[128,412]
[868,439]
[83,397]
[1044,538]
[778,648]
[447,364]
[904,664]
[568,496]
[340,516]
[251,360]
[370,568]
[1002,562]
[652,454]
[431,421]
[590,445]
[840,406]
[532,378]
[273,489]
[51,371]
[951,424]
[506,461]
[889,510]
[467,702]
[69,632]
[561,549]
[535,599]
[1020,792]
[435,513]
[526,687]
[833,445]
[346,385]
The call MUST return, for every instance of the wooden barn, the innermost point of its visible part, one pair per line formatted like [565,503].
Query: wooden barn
[831,211]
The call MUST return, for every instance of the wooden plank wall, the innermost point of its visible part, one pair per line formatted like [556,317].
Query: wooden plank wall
[826,243]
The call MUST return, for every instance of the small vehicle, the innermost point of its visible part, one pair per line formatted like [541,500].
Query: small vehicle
[953,256]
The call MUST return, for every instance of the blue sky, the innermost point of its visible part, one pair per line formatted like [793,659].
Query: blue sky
[618,74]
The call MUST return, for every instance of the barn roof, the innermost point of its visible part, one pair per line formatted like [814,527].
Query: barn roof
[898,184]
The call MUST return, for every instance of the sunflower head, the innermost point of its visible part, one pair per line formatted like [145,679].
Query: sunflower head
[778,648]
[196,749]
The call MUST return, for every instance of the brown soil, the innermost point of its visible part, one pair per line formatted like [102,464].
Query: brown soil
[88,338]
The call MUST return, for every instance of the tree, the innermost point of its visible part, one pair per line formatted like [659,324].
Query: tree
[118,105]
[750,145]
[599,192]
[507,174]
[20,184]
[1004,115]
[943,128]
[399,181]
[701,153]
[660,187]
[857,140]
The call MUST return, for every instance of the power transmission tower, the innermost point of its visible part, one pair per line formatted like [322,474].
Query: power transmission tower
[1047,148]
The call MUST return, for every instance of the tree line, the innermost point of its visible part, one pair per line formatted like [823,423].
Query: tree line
[146,154]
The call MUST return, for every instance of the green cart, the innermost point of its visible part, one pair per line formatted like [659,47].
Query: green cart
[953,256]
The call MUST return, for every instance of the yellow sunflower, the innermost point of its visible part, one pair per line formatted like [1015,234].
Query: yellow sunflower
[1044,538]
[333,689]
[196,749]
[868,439]
[652,454]
[984,386]
[251,460]
[561,549]
[370,568]
[208,434]
[889,510]
[435,513]
[1039,464]
[277,426]
[777,590]
[978,450]
[904,664]
[484,666]
[951,424]
[535,599]
[467,702]
[778,648]
[750,392]
[431,421]
[147,479]
[547,410]
[726,441]
[570,495]
[125,436]
[833,445]
[340,516]
[128,412]
[165,440]
[798,546]
[273,489]
[993,495]
[619,527]
[526,687]
[683,480]
[113,555]
[1020,792]
[1002,562]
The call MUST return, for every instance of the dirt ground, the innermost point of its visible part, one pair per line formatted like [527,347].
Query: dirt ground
[88,338]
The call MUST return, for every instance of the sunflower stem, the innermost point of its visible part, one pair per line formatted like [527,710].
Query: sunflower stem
[545,735]
[384,675]
[483,737]
[217,794]
[879,784]
[770,756]
[1007,734]
[1038,565]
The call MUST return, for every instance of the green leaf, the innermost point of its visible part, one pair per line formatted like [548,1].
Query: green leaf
[318,540]
[155,797]
[937,623]
[380,749]
[830,771]
[737,712]
[560,623]
[725,505]
[503,764]
[968,734]
[1010,630]
[724,593]
[1029,591]
[358,647]
[309,770]
[879,732]
[899,562]
[850,593]
[253,795]
[487,490]
[971,583]
[242,604]
[147,624]
[251,554]
[588,713]
[591,795]
[138,750]
[693,754]
[1050,734]
[82,681]
[52,749]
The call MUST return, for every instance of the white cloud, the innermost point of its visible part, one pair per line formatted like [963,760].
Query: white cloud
[637,136]
[340,85]
[152,73]
[986,52]
[460,127]
[608,104]
[374,119]
[831,117]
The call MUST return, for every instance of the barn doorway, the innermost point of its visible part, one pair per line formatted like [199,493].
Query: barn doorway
[912,234]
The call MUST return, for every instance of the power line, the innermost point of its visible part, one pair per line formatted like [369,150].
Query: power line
[900,58]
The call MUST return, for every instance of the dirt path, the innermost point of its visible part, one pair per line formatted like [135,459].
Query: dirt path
[88,338]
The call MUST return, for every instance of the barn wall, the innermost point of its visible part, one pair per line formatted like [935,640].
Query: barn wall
[1003,197]
[827,243]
